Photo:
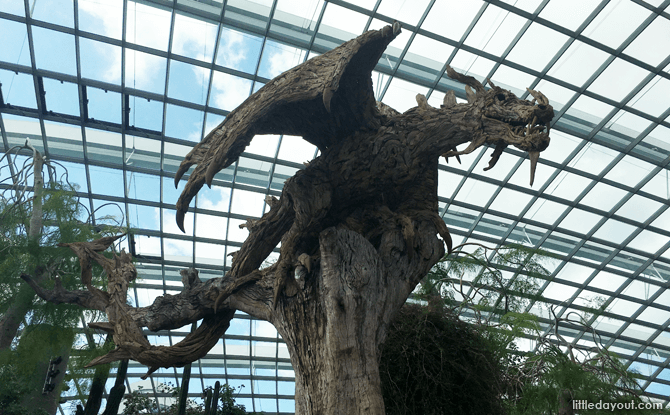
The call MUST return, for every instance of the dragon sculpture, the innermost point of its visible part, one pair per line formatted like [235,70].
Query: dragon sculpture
[357,225]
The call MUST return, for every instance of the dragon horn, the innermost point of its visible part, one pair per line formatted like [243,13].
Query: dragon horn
[534,157]
[468,80]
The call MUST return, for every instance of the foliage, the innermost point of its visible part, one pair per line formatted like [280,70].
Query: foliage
[492,289]
[139,402]
[433,363]
[12,392]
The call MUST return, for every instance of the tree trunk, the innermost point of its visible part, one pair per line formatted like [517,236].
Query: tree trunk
[23,302]
[333,331]
[116,393]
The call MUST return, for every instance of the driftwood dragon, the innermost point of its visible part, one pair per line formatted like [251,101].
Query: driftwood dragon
[358,225]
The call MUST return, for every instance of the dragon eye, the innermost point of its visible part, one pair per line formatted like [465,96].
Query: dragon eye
[500,97]
[542,107]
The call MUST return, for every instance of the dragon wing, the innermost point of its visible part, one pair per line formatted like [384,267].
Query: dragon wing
[323,100]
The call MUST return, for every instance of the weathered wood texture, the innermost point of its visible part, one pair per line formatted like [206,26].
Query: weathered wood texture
[358,226]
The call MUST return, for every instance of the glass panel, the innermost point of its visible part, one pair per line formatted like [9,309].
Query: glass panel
[589,112]
[60,12]
[104,105]
[188,82]
[278,58]
[106,181]
[54,51]
[104,146]
[646,47]
[247,203]
[494,31]
[618,80]
[228,91]
[61,97]
[603,196]
[450,18]
[239,50]
[558,96]
[146,114]
[264,145]
[429,52]
[628,124]
[515,81]
[103,17]
[13,7]
[401,95]
[184,123]
[545,211]
[65,140]
[143,186]
[638,208]
[476,192]
[294,148]
[648,241]
[14,36]
[614,231]
[470,64]
[616,22]
[659,185]
[578,63]
[337,19]
[100,61]
[568,186]
[207,253]
[510,202]
[18,89]
[593,158]
[654,98]
[145,72]
[148,25]
[210,226]
[570,14]
[538,59]
[194,38]
[629,171]
[579,221]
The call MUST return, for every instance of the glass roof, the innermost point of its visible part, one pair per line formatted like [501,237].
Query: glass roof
[120,90]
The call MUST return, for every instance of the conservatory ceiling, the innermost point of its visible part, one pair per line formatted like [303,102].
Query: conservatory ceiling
[118,91]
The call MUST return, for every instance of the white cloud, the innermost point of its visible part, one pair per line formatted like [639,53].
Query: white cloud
[284,58]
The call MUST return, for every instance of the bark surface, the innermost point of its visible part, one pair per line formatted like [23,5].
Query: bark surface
[358,226]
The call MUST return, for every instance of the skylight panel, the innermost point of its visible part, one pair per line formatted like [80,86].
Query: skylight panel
[302,13]
[511,202]
[629,171]
[659,185]
[639,208]
[295,149]
[176,250]
[143,186]
[18,89]
[654,98]
[495,30]
[654,315]
[648,241]
[238,50]
[616,22]
[194,38]
[470,64]
[146,114]
[560,292]
[451,18]
[210,226]
[188,82]
[569,14]
[54,51]
[446,183]
[336,19]
[61,97]
[104,146]
[476,192]
[579,62]
[170,226]
[406,12]
[537,47]
[545,211]
[512,79]
[104,105]
[647,47]
[145,72]
[247,203]
[13,7]
[264,145]
[64,140]
[589,111]
[148,25]
[618,80]
[184,123]
[105,181]
[100,61]
[579,220]
[401,95]
[104,17]
[614,231]
[628,124]
[623,307]
[142,217]
[14,41]
[211,254]
[593,158]
[558,95]
[607,281]
[60,12]
[278,58]
[217,199]
[603,196]
[568,186]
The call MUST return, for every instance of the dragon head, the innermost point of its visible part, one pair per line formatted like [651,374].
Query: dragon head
[504,119]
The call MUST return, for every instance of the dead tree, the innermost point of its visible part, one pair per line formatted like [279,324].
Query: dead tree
[358,226]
